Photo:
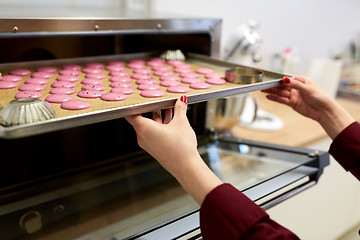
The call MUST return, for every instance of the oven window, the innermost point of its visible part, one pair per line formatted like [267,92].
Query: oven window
[245,165]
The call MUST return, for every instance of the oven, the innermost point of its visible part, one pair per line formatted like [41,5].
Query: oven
[81,175]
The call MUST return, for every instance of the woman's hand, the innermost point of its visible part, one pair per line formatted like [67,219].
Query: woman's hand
[303,95]
[172,141]
[307,98]
[173,144]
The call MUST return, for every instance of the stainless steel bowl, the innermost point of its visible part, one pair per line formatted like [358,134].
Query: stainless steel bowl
[243,75]
[230,109]
[25,110]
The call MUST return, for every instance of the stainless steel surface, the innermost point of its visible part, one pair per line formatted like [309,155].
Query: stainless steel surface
[243,75]
[270,80]
[130,24]
[287,195]
[60,26]
[25,111]
[230,109]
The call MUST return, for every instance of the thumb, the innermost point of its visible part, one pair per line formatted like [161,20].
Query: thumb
[180,107]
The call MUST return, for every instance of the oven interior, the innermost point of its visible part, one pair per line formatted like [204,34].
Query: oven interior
[61,47]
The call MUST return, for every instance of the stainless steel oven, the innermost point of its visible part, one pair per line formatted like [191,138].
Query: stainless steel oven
[83,176]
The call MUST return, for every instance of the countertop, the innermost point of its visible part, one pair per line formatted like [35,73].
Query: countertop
[297,130]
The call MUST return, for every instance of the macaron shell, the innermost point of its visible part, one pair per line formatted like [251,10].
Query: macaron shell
[20,72]
[215,81]
[200,85]
[28,94]
[148,87]
[124,90]
[8,84]
[11,78]
[58,98]
[42,75]
[31,87]
[152,93]
[113,96]
[89,94]
[67,91]
[75,104]
[169,83]
[178,89]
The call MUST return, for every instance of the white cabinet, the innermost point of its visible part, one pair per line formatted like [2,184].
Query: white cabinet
[325,211]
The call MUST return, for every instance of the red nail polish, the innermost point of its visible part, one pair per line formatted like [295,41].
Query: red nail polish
[184,99]
[286,80]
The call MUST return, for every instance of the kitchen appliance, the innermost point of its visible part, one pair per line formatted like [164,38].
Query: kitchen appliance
[83,176]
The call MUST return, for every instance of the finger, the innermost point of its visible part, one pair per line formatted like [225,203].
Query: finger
[298,83]
[279,99]
[157,116]
[168,115]
[280,92]
[180,107]
[135,120]
[300,78]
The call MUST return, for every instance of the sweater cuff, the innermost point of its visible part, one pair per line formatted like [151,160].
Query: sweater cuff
[227,213]
[345,146]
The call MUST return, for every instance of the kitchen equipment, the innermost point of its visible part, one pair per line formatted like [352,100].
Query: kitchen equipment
[243,75]
[82,175]
[24,111]
[173,55]
[245,41]
[230,109]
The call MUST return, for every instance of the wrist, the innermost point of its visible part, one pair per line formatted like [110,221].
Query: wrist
[335,120]
[197,178]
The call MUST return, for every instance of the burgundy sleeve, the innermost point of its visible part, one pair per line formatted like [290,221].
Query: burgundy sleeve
[227,213]
[346,149]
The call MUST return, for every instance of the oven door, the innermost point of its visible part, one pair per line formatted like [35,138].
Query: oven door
[266,173]
[135,198]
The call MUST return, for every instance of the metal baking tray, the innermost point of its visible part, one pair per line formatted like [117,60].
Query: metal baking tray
[270,79]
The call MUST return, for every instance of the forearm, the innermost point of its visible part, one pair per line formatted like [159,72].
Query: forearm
[197,179]
[335,120]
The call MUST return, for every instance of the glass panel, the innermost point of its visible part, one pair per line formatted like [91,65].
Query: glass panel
[139,194]
[246,165]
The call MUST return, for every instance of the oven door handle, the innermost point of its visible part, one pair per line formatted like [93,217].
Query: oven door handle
[269,204]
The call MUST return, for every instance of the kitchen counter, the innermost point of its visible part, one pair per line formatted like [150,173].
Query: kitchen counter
[297,131]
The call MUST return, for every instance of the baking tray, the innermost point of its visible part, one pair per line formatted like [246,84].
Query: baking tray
[121,109]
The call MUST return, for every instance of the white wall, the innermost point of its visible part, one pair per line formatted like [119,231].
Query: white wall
[316,28]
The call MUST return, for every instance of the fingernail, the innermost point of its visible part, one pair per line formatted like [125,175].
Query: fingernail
[286,79]
[184,99]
